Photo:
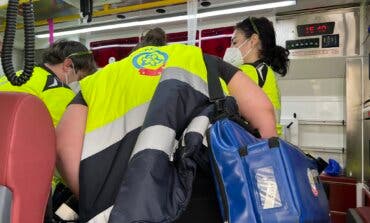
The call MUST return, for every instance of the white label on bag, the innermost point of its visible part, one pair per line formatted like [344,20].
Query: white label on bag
[267,188]
[270,195]
[312,175]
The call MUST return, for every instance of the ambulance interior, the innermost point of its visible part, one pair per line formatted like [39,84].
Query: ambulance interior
[325,108]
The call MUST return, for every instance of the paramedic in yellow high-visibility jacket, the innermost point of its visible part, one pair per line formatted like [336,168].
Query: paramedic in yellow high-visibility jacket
[98,131]
[254,50]
[63,63]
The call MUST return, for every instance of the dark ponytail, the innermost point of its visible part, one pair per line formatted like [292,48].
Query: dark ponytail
[277,58]
[273,55]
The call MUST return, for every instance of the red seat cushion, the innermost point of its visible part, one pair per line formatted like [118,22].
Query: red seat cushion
[27,154]
[364,213]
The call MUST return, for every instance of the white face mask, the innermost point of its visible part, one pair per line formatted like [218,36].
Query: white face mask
[234,56]
[71,74]
[65,79]
[75,86]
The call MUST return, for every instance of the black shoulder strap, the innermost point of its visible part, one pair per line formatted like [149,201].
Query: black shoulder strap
[214,85]
[225,106]
[262,74]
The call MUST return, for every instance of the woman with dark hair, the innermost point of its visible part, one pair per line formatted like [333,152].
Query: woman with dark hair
[254,50]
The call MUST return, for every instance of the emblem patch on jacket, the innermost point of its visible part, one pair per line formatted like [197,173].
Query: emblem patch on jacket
[150,62]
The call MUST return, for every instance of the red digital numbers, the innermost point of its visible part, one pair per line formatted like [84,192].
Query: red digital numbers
[316,29]
[322,28]
[310,29]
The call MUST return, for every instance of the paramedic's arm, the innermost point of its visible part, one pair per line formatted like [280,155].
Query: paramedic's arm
[253,104]
[70,135]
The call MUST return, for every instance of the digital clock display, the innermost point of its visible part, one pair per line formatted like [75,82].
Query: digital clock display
[315,29]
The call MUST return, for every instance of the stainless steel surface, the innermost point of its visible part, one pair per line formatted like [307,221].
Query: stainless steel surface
[366,99]
[366,116]
[321,149]
[366,49]
[342,62]
[53,9]
[346,25]
[5,204]
[114,3]
[354,117]
[366,77]
[322,122]
[332,67]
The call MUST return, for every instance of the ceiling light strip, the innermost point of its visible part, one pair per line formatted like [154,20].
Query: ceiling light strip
[112,46]
[115,26]
[246,9]
[173,19]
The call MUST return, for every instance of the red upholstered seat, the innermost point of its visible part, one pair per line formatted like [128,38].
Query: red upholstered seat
[358,215]
[364,213]
[27,155]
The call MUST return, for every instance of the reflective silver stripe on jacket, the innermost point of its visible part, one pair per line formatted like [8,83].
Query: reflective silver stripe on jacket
[199,124]
[161,137]
[157,137]
[103,137]
[185,76]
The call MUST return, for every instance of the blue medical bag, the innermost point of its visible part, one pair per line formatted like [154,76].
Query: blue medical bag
[264,180]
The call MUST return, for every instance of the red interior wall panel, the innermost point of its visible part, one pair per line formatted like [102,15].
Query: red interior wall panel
[218,45]
[118,50]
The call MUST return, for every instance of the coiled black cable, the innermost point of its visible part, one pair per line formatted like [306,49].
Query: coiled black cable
[8,42]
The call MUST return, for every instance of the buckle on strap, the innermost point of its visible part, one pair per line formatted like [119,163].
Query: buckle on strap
[225,108]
